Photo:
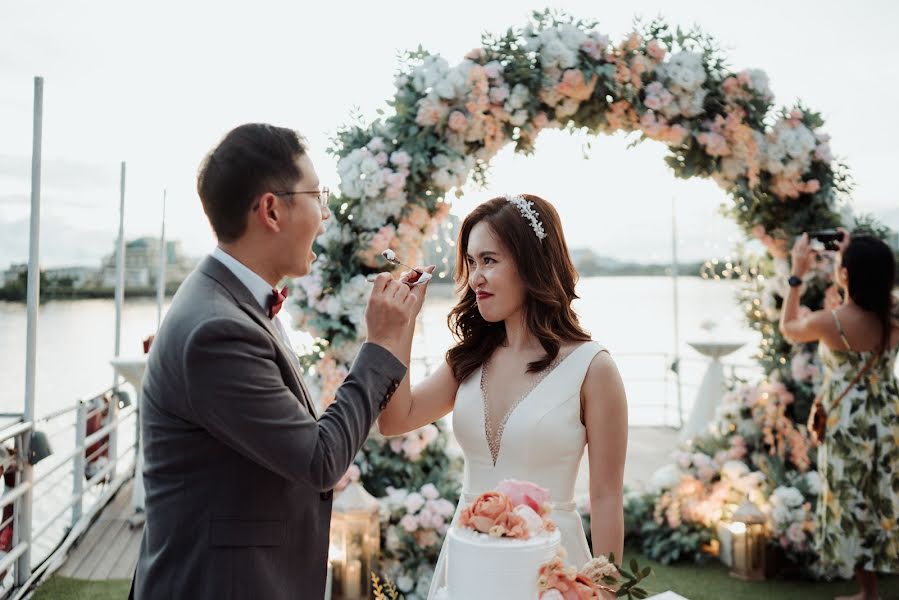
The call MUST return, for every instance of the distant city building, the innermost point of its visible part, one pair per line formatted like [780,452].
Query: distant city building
[11,275]
[142,263]
[80,277]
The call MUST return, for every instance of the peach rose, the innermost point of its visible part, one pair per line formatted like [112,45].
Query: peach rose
[492,514]
[570,584]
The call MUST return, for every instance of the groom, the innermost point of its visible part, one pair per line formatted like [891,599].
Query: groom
[239,467]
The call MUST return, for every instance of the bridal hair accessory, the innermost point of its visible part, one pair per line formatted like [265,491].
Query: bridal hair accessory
[526,207]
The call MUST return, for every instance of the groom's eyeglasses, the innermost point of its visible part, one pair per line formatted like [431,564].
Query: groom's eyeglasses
[323,196]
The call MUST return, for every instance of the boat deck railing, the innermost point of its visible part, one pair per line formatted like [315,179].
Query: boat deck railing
[51,507]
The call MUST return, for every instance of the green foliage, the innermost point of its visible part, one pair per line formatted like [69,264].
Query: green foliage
[381,467]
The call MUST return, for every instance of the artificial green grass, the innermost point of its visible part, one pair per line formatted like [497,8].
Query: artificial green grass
[64,588]
[712,582]
[695,582]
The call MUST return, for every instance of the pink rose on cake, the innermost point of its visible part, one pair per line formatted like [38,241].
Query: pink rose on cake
[525,493]
[492,513]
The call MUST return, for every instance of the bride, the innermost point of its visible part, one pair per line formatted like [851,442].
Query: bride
[527,386]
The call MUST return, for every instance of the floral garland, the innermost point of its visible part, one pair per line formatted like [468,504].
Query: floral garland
[448,122]
[658,83]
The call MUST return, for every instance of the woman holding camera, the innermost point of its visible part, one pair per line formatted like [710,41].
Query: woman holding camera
[855,419]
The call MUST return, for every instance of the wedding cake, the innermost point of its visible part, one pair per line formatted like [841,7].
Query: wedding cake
[498,545]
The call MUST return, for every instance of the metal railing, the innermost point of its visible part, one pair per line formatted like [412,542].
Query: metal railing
[661,386]
[68,488]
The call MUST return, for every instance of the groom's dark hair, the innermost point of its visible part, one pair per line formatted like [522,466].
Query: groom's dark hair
[252,159]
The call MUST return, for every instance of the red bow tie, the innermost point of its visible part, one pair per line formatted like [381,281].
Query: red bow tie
[275,300]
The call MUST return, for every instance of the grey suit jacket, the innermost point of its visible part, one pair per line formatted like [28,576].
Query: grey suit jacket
[238,470]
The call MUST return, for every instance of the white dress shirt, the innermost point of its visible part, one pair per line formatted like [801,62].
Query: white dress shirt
[261,291]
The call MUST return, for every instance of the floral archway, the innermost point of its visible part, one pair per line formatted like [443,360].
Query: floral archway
[658,83]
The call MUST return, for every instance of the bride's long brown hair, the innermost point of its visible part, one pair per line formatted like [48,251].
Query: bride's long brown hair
[549,278]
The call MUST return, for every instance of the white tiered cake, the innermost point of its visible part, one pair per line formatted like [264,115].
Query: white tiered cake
[497,546]
[481,567]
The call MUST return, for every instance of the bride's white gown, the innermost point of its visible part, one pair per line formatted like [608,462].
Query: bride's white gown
[543,441]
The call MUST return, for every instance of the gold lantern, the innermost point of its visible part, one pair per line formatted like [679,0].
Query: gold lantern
[748,541]
[355,541]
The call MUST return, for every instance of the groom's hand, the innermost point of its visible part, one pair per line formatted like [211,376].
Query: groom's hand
[392,306]
[421,289]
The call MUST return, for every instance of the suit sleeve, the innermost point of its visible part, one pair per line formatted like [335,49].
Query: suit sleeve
[237,393]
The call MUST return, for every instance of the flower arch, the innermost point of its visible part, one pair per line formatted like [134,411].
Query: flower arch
[657,83]
[556,72]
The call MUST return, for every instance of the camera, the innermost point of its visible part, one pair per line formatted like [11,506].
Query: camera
[830,238]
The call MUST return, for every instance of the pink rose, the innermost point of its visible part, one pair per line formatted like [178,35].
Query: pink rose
[409,523]
[526,493]
[656,50]
[457,121]
[400,158]
[592,49]
[477,54]
[533,520]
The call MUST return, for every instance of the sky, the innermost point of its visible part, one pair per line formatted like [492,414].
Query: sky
[158,84]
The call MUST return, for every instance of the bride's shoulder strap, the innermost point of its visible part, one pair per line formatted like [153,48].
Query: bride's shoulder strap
[580,360]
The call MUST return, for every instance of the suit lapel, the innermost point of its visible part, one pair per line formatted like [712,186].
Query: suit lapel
[245,300]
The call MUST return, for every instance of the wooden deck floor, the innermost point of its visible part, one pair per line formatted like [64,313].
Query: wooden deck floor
[109,548]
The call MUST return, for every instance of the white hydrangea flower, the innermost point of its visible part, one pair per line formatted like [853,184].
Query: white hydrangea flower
[404,583]
[426,75]
[378,210]
[429,491]
[685,70]
[554,52]
[813,481]
[758,81]
[517,98]
[571,36]
[454,83]
[414,502]
[789,496]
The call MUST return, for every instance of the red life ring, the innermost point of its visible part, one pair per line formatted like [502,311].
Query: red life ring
[97,454]
[8,469]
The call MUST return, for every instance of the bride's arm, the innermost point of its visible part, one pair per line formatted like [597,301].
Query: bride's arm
[605,417]
[410,409]
[430,400]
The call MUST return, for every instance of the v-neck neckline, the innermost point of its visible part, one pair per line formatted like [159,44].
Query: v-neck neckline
[494,442]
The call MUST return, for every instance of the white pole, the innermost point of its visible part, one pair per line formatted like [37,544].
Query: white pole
[23,526]
[160,279]
[674,276]
[120,270]
[119,301]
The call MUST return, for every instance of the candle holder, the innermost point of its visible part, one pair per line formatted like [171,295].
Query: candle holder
[748,543]
[355,542]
